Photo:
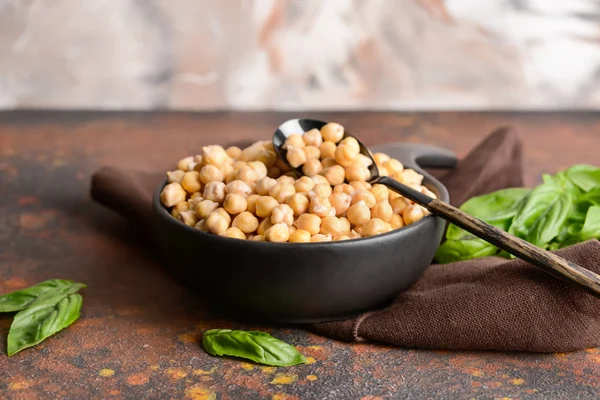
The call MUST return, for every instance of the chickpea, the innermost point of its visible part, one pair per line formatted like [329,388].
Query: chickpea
[201,225]
[265,206]
[179,207]
[247,174]
[304,184]
[381,192]
[319,237]
[214,191]
[356,172]
[234,203]
[238,187]
[380,158]
[175,176]
[341,202]
[358,185]
[332,132]
[321,206]
[393,166]
[191,182]
[223,213]
[286,179]
[231,176]
[363,160]
[308,222]
[399,204]
[281,192]
[345,155]
[333,226]
[214,155]
[277,233]
[299,203]
[397,221]
[365,196]
[317,179]
[188,217]
[246,222]
[322,190]
[258,238]
[264,185]
[217,224]
[393,196]
[251,153]
[327,150]
[312,152]
[235,233]
[259,168]
[172,194]
[193,201]
[312,167]
[358,214]
[374,227]
[383,171]
[412,214]
[296,156]
[354,235]
[251,203]
[239,164]
[428,192]
[210,173]
[334,174]
[186,164]
[263,226]
[294,140]
[312,138]
[328,162]
[300,236]
[344,188]
[234,152]
[267,157]
[273,172]
[292,229]
[382,210]
[282,214]
[205,208]
[350,141]
[341,237]
[358,230]
[199,161]
[346,225]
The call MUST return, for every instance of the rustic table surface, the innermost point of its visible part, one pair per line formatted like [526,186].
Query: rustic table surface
[138,336]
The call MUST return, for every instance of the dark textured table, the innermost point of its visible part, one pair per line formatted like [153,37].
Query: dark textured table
[138,336]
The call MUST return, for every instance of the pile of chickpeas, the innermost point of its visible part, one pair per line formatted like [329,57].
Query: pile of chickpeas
[252,194]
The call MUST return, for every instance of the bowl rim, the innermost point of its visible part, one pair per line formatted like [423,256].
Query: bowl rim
[161,211]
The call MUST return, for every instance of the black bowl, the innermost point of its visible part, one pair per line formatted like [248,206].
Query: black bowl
[306,282]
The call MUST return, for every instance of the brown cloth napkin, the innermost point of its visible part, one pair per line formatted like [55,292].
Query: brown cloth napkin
[484,304]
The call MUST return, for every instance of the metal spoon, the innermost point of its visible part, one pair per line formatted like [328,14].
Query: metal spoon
[547,261]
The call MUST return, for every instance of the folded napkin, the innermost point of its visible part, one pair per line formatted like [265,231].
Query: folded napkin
[485,304]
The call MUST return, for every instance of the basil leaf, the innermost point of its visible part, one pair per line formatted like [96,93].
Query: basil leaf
[20,299]
[591,226]
[464,249]
[544,213]
[257,346]
[496,208]
[49,314]
[585,177]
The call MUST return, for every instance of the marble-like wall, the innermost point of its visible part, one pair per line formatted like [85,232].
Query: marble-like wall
[300,54]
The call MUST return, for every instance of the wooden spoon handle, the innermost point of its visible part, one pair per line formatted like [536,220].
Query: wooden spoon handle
[547,261]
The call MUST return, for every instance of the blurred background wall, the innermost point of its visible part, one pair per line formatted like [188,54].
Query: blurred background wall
[300,54]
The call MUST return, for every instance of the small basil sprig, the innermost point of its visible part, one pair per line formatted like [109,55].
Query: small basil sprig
[44,309]
[257,346]
[561,211]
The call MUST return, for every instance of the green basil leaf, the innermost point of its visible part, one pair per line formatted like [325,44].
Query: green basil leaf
[257,346]
[591,226]
[21,299]
[496,208]
[585,180]
[463,249]
[543,214]
[47,315]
